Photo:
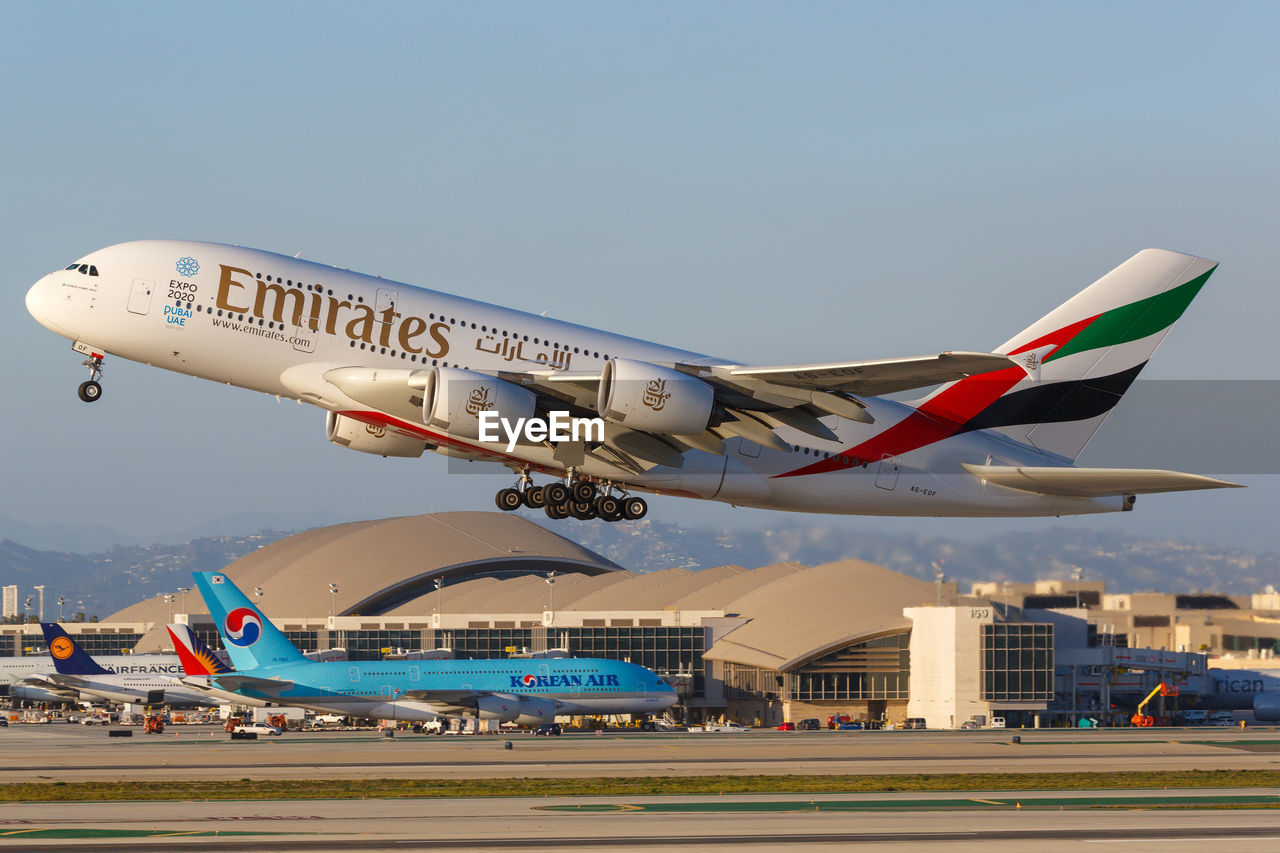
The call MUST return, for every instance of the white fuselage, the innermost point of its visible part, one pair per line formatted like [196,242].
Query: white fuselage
[232,321]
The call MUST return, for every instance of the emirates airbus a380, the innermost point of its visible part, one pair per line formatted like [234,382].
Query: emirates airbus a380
[400,369]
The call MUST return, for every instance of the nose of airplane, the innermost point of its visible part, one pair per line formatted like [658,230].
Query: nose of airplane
[40,303]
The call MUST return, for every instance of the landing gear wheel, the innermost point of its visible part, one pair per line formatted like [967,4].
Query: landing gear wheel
[608,507]
[507,500]
[556,493]
[534,497]
[582,510]
[583,492]
[634,509]
[555,511]
[90,391]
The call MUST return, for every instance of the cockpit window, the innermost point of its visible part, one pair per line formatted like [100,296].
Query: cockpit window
[84,268]
[73,266]
[93,270]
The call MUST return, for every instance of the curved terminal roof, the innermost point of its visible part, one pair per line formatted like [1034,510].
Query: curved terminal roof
[494,563]
[380,565]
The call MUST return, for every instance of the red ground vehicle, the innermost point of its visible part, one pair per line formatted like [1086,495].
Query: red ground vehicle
[787,727]
[153,725]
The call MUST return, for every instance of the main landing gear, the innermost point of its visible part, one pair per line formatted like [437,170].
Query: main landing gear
[579,499]
[90,391]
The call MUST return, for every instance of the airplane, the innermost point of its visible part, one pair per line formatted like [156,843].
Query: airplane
[524,691]
[401,370]
[76,670]
[28,677]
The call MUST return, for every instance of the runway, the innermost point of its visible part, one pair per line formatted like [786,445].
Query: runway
[978,822]
[68,753]
[998,820]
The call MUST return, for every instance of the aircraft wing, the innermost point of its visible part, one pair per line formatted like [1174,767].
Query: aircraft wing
[882,376]
[1094,482]
[755,400]
[236,682]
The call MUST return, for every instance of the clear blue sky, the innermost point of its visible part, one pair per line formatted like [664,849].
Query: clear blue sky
[770,182]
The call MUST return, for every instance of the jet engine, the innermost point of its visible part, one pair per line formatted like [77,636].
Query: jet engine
[655,399]
[498,706]
[535,711]
[507,708]
[1266,707]
[369,438]
[454,398]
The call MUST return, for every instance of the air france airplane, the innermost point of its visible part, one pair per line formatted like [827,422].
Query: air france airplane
[528,692]
[77,670]
[401,369]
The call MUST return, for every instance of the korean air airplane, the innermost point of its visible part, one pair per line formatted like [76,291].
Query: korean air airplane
[525,691]
[76,670]
[400,370]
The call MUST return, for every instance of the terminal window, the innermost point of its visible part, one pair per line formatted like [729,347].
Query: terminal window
[878,668]
[1017,662]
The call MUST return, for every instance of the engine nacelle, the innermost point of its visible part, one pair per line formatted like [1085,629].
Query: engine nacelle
[1266,707]
[535,711]
[498,706]
[655,399]
[370,438]
[454,398]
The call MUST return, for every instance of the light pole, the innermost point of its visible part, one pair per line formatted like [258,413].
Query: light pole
[551,595]
[168,599]
[184,590]
[333,603]
[26,610]
[1076,574]
[257,593]
[40,589]
[61,601]
[440,597]
[939,576]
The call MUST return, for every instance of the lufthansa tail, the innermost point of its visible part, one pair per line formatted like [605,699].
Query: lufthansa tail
[250,638]
[68,657]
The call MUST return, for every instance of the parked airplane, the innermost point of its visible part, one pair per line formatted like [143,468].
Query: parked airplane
[76,670]
[28,676]
[528,692]
[401,369]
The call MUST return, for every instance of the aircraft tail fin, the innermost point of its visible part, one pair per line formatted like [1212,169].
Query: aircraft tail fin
[69,658]
[196,657]
[250,638]
[1077,361]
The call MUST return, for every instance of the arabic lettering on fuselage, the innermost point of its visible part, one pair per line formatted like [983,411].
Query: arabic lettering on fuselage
[512,350]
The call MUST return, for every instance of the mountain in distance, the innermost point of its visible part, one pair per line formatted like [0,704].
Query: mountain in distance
[105,580]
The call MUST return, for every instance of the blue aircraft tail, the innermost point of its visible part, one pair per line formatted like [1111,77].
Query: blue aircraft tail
[250,638]
[68,657]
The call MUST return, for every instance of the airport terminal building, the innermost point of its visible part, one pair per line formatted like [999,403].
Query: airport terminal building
[779,642]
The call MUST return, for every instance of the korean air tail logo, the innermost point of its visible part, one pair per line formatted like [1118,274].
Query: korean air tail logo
[243,627]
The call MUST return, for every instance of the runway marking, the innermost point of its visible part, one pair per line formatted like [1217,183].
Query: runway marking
[1028,802]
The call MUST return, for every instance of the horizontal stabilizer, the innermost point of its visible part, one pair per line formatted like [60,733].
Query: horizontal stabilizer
[1094,482]
[236,682]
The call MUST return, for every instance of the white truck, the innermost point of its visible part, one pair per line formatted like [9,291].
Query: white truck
[723,728]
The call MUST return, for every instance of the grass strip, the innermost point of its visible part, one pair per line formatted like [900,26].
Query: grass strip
[340,789]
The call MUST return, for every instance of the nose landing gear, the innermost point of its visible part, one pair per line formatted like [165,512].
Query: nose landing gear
[90,391]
